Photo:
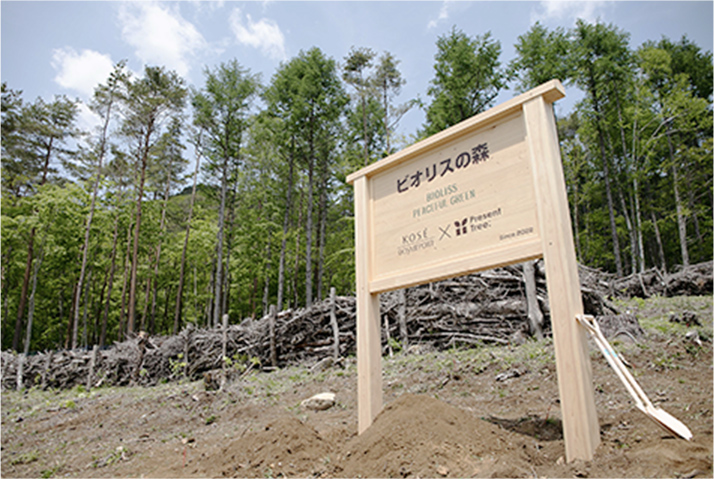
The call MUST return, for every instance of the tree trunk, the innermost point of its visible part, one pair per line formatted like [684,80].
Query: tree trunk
[124,289]
[308,234]
[386,121]
[606,175]
[137,226]
[70,321]
[296,264]
[625,214]
[31,307]
[145,311]
[98,303]
[286,225]
[402,317]
[112,269]
[226,294]
[266,282]
[640,240]
[576,218]
[364,129]
[636,195]
[630,232]
[179,293]
[611,213]
[660,247]
[87,291]
[218,285]
[90,217]
[28,265]
[322,238]
[535,315]
[23,294]
[162,227]
[681,219]
[692,206]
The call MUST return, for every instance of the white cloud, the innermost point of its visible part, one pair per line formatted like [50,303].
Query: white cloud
[207,5]
[160,35]
[588,10]
[443,14]
[264,34]
[87,120]
[82,71]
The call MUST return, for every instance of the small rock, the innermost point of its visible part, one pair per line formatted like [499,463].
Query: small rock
[319,402]
[560,461]
[511,373]
[693,336]
[442,471]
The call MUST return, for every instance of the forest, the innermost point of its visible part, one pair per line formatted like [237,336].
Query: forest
[189,202]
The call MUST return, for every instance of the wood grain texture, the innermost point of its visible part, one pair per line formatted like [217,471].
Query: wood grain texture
[577,400]
[369,349]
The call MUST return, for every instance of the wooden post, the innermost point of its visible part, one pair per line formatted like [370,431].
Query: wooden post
[186,346]
[402,315]
[273,316]
[335,327]
[141,346]
[577,399]
[369,350]
[387,336]
[20,366]
[224,351]
[48,368]
[92,365]
[535,315]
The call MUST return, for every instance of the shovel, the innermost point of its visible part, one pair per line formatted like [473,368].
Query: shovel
[661,417]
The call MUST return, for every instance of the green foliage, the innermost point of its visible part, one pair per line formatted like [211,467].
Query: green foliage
[467,79]
[177,365]
[637,154]
[25,458]
[395,345]
[541,56]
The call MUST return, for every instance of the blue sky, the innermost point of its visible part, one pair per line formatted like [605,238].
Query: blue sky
[56,47]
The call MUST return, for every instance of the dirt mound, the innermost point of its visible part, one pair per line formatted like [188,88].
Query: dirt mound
[419,436]
[284,447]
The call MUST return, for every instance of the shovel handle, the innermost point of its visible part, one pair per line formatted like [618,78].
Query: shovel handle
[662,418]
[623,368]
[591,327]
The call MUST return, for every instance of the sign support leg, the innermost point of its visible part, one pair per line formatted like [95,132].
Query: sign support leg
[577,399]
[369,346]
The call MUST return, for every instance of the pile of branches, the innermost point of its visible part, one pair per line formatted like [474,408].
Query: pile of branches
[487,307]
[692,280]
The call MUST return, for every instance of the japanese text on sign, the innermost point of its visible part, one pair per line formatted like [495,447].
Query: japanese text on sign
[478,154]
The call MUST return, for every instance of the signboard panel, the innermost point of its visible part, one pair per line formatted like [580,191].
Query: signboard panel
[452,203]
[484,193]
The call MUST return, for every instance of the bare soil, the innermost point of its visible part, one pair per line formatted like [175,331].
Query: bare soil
[485,412]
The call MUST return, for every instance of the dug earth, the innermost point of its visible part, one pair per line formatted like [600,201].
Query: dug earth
[486,411]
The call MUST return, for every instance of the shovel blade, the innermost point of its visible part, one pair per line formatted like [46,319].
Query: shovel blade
[668,422]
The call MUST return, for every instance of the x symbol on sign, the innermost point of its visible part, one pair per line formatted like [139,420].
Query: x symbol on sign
[444,232]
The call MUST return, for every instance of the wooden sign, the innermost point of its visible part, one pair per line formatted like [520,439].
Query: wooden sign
[482,194]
